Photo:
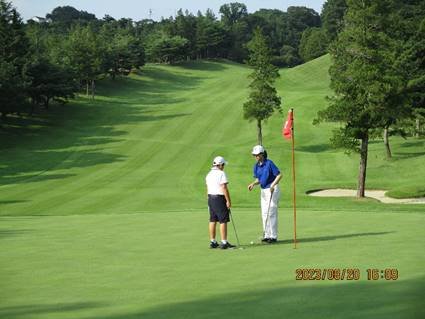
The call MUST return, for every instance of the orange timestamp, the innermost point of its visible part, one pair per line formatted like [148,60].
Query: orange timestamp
[327,274]
[345,274]
[386,274]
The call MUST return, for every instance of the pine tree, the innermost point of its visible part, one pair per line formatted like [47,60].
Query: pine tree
[364,79]
[263,99]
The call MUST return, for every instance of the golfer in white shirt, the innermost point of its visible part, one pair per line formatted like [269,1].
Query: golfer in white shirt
[218,202]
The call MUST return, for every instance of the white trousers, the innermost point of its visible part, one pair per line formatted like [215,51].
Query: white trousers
[270,222]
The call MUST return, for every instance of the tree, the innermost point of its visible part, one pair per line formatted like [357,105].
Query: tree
[166,49]
[273,22]
[314,43]
[84,52]
[210,36]
[14,49]
[233,12]
[12,88]
[263,99]
[234,18]
[122,50]
[363,78]
[49,81]
[406,101]
[299,19]
[185,27]
[332,16]
[289,56]
[68,14]
[238,36]
[136,53]
[411,61]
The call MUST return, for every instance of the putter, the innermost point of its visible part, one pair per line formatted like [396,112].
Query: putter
[267,217]
[234,228]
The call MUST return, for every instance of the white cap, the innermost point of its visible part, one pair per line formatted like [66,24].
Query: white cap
[257,149]
[219,160]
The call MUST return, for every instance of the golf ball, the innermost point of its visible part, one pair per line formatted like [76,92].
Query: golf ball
[252,243]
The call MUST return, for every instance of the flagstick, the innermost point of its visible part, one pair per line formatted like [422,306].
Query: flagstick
[293,180]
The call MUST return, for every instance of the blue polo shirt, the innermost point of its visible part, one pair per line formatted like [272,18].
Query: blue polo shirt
[266,173]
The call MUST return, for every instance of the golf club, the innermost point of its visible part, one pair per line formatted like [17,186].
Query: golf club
[234,228]
[268,213]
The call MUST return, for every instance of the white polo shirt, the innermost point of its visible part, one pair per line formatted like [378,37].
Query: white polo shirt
[215,178]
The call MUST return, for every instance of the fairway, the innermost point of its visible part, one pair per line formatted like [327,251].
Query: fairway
[103,210]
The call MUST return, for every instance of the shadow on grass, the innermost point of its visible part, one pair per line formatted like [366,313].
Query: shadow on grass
[30,311]
[44,163]
[326,238]
[323,238]
[407,150]
[302,300]
[4,180]
[154,86]
[404,155]
[12,233]
[317,148]
[69,136]
[417,143]
[6,202]
[204,65]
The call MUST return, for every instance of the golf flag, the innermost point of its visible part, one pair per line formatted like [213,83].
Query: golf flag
[287,128]
[289,134]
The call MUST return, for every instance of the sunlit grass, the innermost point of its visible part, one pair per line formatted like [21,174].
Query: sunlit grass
[103,209]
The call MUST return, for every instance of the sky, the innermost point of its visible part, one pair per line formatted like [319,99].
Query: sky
[154,9]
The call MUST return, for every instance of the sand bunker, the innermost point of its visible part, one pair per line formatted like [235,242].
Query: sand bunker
[376,194]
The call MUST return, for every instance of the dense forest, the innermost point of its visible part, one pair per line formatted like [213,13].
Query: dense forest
[53,57]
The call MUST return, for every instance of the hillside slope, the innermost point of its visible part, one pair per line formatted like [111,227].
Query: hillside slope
[146,142]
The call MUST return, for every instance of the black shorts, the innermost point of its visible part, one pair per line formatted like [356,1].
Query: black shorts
[218,209]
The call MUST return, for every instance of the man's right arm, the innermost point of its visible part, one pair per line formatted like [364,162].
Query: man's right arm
[251,186]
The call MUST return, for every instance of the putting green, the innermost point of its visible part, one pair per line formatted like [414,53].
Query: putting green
[157,266]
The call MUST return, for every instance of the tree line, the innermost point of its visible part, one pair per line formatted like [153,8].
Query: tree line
[377,75]
[53,57]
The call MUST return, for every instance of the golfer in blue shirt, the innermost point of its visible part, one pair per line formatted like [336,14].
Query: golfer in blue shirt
[267,175]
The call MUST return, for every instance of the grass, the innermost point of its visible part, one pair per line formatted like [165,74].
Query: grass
[103,206]
[406,191]
[156,265]
[92,157]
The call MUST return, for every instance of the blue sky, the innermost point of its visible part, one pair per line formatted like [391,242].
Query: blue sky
[139,9]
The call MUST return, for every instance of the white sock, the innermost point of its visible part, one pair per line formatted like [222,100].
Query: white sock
[224,242]
[213,240]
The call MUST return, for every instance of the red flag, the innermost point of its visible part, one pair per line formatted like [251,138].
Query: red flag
[287,128]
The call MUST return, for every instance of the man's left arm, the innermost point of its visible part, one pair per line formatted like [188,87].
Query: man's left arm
[278,177]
